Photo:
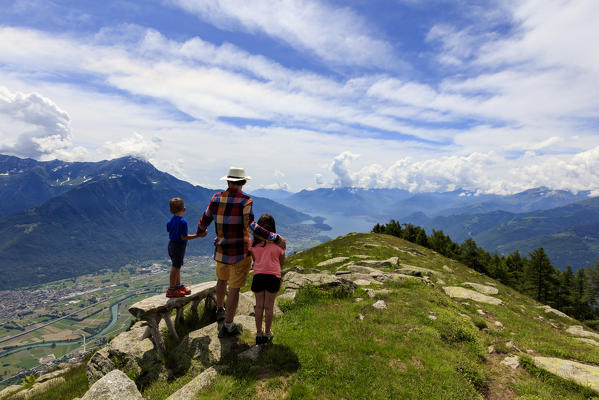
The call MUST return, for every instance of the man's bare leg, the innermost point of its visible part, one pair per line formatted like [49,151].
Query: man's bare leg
[232,300]
[221,290]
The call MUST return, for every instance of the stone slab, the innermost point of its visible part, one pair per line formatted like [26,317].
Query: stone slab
[160,303]
[484,289]
[195,386]
[578,330]
[113,386]
[332,261]
[462,293]
[587,375]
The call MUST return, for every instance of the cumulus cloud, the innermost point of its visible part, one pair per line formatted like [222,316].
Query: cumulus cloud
[477,172]
[136,145]
[336,35]
[45,128]
[340,167]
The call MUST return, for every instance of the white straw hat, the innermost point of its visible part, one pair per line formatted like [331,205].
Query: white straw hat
[236,174]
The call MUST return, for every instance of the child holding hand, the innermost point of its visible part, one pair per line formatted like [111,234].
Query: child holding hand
[268,260]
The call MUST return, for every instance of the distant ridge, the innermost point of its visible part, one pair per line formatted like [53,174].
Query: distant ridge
[89,216]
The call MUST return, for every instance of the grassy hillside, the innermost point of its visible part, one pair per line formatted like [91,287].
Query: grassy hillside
[424,345]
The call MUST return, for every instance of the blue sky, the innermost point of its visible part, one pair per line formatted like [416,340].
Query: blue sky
[490,96]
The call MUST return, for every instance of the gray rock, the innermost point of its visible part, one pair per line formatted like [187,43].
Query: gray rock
[247,304]
[549,310]
[374,293]
[578,330]
[586,375]
[252,353]
[206,348]
[287,295]
[462,293]
[332,261]
[10,390]
[447,269]
[361,269]
[490,290]
[363,282]
[587,340]
[388,263]
[416,271]
[38,388]
[294,281]
[380,305]
[195,386]
[113,386]
[128,352]
[511,361]
[51,375]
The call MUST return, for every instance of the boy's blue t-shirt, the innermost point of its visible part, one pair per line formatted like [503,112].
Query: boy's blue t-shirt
[176,227]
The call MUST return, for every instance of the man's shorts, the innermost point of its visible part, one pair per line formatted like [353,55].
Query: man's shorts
[176,251]
[236,274]
[269,282]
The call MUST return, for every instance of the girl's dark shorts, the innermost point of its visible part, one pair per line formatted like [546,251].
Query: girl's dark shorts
[176,251]
[268,282]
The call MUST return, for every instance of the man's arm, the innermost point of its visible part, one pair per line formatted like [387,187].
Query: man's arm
[206,219]
[248,219]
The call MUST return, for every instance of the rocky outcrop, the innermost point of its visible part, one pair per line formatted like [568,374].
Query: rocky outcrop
[490,290]
[416,271]
[294,281]
[9,390]
[462,293]
[128,351]
[206,348]
[578,330]
[37,388]
[587,375]
[113,386]
[549,310]
[388,263]
[332,261]
[197,384]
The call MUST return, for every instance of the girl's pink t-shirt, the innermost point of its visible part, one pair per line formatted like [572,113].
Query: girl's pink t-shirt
[266,259]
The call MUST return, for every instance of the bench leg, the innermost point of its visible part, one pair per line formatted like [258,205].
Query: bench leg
[153,324]
[169,324]
[194,308]
[179,319]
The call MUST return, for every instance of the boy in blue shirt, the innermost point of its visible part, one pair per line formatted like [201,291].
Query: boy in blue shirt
[177,232]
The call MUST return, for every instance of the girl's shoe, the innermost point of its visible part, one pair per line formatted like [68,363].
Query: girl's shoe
[267,338]
[260,339]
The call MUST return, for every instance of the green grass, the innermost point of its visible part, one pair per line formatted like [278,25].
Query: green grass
[329,345]
[75,385]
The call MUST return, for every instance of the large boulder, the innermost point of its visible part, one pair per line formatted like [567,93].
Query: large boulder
[247,303]
[586,375]
[206,348]
[294,281]
[416,271]
[195,386]
[38,388]
[490,290]
[462,293]
[130,353]
[115,385]
[578,330]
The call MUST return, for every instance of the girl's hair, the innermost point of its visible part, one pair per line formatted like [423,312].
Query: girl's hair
[267,222]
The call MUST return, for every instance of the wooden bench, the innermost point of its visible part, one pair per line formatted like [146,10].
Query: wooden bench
[155,308]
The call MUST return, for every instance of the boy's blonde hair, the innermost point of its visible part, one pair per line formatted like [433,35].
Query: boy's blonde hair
[176,204]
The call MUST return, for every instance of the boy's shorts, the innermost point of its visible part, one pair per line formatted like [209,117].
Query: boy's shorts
[269,282]
[176,251]
[236,274]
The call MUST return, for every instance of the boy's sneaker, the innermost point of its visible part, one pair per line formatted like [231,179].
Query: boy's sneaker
[220,315]
[235,330]
[173,292]
[184,290]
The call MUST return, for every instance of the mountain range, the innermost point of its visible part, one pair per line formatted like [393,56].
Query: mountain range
[563,223]
[60,219]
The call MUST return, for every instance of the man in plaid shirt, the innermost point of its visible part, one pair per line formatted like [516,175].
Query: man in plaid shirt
[232,213]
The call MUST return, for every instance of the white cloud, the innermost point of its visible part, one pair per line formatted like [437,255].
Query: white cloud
[336,35]
[136,146]
[44,127]
[479,172]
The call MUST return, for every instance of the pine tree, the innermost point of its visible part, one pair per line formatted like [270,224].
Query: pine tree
[540,276]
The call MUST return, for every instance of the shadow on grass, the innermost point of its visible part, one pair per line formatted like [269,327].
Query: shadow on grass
[274,360]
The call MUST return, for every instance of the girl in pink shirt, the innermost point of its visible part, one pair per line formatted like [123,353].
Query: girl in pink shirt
[268,260]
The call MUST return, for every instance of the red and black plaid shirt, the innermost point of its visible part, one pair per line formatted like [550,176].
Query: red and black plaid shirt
[232,213]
